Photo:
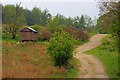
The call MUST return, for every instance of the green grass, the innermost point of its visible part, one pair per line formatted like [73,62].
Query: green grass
[8,38]
[80,42]
[73,70]
[92,33]
[108,54]
[70,73]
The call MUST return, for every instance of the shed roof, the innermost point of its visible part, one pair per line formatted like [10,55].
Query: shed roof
[31,29]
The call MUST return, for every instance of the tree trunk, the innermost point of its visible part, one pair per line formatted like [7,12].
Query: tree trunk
[13,36]
[59,66]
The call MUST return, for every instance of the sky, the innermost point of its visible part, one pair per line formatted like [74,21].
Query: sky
[68,8]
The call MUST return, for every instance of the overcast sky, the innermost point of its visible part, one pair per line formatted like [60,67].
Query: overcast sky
[67,8]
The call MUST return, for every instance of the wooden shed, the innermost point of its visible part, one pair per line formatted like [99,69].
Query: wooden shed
[28,34]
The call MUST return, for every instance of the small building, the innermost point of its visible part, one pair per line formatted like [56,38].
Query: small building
[28,34]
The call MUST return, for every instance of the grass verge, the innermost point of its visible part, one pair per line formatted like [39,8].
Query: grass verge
[108,54]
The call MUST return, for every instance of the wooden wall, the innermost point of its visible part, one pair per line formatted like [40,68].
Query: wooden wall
[28,36]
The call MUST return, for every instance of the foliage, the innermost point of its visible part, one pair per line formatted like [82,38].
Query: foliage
[77,34]
[53,25]
[7,38]
[62,20]
[79,22]
[13,17]
[28,17]
[60,48]
[108,21]
[88,21]
[107,52]
[45,16]
[37,16]
[44,35]
[76,22]
[36,27]
[109,43]
[82,22]
[89,24]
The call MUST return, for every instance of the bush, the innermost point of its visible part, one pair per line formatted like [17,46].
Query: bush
[36,27]
[78,34]
[61,48]
[109,43]
[44,35]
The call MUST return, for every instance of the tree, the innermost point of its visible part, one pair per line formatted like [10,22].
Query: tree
[82,22]
[76,22]
[88,23]
[79,22]
[109,13]
[109,20]
[28,17]
[44,17]
[52,25]
[13,18]
[69,21]
[60,48]
[36,15]
[61,19]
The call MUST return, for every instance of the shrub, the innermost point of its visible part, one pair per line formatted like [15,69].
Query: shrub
[78,34]
[36,27]
[61,48]
[44,35]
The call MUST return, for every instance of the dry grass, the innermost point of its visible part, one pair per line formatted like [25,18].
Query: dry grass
[27,60]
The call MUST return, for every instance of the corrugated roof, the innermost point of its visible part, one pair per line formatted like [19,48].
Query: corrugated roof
[29,29]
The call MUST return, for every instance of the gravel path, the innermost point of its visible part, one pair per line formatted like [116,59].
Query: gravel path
[90,66]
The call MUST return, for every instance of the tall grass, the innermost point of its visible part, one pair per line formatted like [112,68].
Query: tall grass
[32,60]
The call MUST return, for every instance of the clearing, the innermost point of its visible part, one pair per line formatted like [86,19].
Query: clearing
[90,66]
[30,60]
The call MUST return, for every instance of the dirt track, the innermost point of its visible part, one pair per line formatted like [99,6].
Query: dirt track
[90,66]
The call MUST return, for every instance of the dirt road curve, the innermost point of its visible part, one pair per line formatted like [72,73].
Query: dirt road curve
[90,66]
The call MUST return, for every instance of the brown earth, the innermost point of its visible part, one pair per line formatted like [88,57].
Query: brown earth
[90,66]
